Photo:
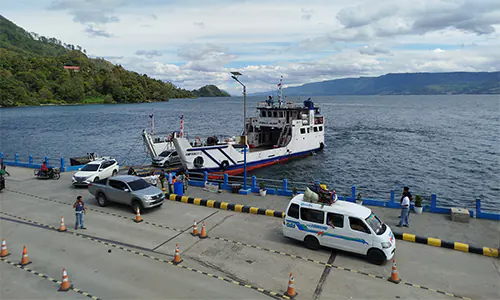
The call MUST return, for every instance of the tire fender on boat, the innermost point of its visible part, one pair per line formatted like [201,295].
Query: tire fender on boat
[224,165]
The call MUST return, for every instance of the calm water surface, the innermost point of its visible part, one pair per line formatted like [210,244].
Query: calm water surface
[448,145]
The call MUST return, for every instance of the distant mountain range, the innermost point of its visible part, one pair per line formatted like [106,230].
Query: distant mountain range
[403,84]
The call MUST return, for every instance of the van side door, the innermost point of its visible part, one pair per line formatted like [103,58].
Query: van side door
[313,223]
[359,237]
[335,235]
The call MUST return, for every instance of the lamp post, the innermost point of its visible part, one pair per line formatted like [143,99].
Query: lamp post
[235,77]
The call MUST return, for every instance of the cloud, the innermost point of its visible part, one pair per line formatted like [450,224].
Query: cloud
[199,24]
[305,41]
[94,32]
[148,53]
[306,14]
[374,50]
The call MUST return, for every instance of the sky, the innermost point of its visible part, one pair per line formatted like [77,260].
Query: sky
[192,43]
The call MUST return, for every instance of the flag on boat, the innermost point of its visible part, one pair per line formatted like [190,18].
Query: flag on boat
[151,116]
[281,80]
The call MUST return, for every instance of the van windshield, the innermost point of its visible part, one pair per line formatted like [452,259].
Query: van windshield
[377,226]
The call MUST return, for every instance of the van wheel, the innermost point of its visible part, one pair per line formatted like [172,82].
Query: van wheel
[376,256]
[311,242]
[96,179]
[136,204]
[101,200]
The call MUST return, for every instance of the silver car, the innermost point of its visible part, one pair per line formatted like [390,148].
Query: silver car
[127,189]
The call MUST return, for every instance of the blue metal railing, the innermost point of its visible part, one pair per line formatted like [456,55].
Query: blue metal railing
[281,187]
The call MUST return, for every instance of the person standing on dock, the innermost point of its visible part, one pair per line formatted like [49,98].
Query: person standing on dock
[170,179]
[80,210]
[405,209]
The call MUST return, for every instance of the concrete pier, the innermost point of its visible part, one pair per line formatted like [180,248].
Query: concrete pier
[245,256]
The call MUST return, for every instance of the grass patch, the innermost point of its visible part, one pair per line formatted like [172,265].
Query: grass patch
[93,100]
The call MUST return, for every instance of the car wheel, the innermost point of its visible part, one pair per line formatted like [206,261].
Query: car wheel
[96,179]
[101,200]
[114,173]
[311,242]
[376,256]
[166,164]
[136,204]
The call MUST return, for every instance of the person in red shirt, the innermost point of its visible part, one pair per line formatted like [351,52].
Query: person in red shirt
[44,169]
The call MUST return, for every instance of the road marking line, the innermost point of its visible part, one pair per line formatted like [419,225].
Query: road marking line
[47,277]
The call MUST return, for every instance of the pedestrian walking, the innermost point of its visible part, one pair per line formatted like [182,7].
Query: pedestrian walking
[80,210]
[162,179]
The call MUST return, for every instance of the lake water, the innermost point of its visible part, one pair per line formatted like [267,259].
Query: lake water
[448,145]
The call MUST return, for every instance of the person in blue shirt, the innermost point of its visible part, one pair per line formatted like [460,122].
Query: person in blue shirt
[170,178]
[80,210]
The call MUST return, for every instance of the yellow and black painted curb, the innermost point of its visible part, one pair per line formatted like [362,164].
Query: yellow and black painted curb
[110,244]
[226,206]
[486,251]
[275,295]
[41,275]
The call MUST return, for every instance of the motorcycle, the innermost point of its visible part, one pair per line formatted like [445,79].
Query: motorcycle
[52,173]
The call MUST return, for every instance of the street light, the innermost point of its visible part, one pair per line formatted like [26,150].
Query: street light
[235,77]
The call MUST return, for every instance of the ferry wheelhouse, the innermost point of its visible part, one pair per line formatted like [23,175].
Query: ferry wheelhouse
[277,134]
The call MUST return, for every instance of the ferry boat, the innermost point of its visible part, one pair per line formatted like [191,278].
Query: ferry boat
[279,133]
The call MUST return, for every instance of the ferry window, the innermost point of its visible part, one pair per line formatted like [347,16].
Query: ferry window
[320,128]
[358,225]
[302,130]
[263,113]
[307,129]
[275,114]
[269,114]
[335,219]
[293,211]
[315,129]
[312,215]
[281,114]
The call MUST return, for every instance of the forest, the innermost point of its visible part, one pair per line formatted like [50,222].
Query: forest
[36,70]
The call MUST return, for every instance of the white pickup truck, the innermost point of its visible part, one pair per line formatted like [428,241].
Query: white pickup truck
[96,170]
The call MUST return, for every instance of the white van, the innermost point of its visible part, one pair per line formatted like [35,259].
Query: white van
[342,225]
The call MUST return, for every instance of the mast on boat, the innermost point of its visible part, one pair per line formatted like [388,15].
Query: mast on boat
[280,95]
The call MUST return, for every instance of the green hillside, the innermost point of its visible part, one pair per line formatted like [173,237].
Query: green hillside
[32,73]
[210,91]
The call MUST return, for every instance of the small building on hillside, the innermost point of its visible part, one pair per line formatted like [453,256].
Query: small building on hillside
[72,68]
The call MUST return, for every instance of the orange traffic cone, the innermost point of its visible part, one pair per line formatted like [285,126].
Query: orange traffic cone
[177,258]
[138,216]
[62,227]
[25,260]
[65,286]
[290,292]
[394,274]
[4,251]
[195,229]
[203,233]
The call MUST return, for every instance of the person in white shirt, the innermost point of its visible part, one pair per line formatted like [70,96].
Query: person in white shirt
[153,179]
[405,209]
